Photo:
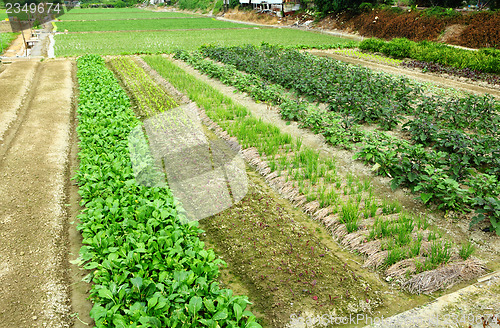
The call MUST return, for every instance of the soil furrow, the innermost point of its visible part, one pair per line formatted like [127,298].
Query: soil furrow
[33,240]
[15,82]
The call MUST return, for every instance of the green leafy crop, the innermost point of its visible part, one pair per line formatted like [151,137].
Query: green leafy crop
[148,268]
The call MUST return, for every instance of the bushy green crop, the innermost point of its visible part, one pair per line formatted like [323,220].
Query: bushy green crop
[485,60]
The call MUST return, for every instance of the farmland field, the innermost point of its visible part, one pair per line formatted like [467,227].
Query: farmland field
[217,174]
[147,24]
[105,10]
[76,14]
[6,38]
[167,42]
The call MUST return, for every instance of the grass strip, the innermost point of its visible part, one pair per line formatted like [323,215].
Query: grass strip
[6,39]
[484,60]
[142,14]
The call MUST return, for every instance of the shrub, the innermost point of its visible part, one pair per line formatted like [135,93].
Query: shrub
[365,6]
[399,48]
[372,44]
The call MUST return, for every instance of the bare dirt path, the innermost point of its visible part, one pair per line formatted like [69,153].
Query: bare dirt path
[423,77]
[33,220]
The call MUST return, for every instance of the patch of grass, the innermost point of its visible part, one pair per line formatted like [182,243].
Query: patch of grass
[117,43]
[422,222]
[395,255]
[434,235]
[415,247]
[6,39]
[349,216]
[327,197]
[390,207]
[440,252]
[466,250]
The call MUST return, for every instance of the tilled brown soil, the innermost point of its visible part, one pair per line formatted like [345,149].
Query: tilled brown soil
[14,83]
[33,191]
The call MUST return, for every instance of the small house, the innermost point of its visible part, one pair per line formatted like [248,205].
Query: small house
[286,6]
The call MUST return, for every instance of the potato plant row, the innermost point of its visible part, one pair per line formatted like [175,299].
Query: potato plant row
[460,171]
[148,266]
[367,96]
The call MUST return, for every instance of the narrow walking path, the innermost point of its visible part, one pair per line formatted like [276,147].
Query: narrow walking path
[33,252]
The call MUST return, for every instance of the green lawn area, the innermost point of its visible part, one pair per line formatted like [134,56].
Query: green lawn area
[169,41]
[6,39]
[3,15]
[146,24]
[121,15]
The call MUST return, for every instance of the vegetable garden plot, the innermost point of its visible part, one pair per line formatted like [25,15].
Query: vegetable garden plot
[147,25]
[462,133]
[346,205]
[357,293]
[120,43]
[148,269]
[149,97]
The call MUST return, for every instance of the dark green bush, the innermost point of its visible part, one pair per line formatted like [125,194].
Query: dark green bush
[372,44]
[485,60]
[365,6]
[399,48]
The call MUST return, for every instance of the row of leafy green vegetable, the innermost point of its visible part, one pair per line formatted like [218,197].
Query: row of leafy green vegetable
[457,158]
[484,60]
[148,268]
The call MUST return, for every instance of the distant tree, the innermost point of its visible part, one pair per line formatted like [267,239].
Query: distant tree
[439,3]
[329,6]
